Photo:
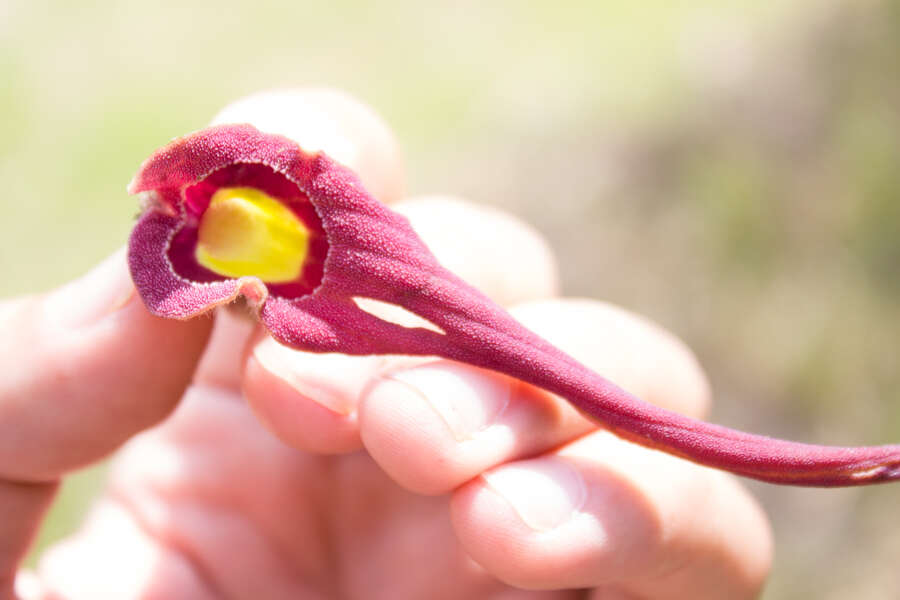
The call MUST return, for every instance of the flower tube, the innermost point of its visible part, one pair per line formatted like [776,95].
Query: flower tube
[230,211]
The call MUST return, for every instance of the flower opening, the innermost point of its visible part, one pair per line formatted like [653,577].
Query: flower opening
[249,220]
[244,231]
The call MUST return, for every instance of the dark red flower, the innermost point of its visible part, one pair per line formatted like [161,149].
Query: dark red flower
[231,211]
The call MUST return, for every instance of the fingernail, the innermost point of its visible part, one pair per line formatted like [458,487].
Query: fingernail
[334,381]
[545,492]
[467,400]
[102,291]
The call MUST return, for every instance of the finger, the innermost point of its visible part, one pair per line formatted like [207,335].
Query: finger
[634,352]
[494,251]
[86,366]
[435,426]
[222,362]
[173,501]
[310,400]
[602,512]
[331,121]
[115,557]
[22,505]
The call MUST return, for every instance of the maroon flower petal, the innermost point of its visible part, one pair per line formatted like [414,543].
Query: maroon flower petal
[163,291]
[372,252]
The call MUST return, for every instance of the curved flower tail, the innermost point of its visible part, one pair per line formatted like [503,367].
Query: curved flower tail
[755,456]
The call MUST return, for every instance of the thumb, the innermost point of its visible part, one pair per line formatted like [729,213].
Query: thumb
[86,367]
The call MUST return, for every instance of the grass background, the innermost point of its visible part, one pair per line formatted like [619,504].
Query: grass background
[728,168]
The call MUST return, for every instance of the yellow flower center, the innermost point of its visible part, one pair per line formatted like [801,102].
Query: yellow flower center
[244,231]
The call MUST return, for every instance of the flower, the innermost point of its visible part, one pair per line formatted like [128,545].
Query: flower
[231,211]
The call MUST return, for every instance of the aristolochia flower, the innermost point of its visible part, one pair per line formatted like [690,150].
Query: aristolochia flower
[231,211]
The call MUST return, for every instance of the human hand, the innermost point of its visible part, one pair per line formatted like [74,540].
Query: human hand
[458,462]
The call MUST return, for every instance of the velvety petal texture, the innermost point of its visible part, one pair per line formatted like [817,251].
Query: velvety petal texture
[361,249]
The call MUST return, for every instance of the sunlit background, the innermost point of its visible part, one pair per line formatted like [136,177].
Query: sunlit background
[731,170]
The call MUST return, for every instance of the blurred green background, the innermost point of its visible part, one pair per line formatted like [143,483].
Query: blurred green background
[728,168]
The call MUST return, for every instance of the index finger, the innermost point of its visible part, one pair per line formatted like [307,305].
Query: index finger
[326,119]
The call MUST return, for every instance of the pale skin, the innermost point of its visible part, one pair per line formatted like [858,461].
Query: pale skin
[244,469]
